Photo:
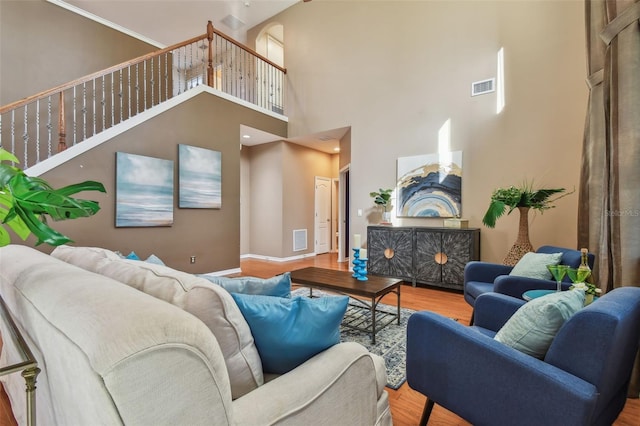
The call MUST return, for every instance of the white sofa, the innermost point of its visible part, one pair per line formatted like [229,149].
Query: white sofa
[111,353]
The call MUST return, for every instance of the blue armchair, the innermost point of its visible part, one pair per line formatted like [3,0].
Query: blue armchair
[582,380]
[483,277]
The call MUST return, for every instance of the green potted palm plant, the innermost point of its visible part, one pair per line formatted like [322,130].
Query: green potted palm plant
[26,201]
[523,198]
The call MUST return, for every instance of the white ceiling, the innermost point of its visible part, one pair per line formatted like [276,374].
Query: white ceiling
[166,22]
[327,141]
[172,21]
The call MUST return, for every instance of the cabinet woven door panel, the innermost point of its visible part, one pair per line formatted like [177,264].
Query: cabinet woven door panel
[390,252]
[457,247]
[428,245]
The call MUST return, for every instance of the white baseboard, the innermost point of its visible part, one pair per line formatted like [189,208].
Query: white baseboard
[276,259]
[225,272]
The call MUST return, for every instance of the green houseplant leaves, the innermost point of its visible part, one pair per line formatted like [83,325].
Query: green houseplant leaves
[382,198]
[26,201]
[508,199]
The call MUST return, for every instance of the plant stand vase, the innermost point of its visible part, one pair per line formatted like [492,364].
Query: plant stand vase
[522,244]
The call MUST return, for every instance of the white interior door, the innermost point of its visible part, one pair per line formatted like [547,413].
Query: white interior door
[323,215]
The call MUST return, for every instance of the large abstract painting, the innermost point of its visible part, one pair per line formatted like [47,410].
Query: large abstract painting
[199,177]
[430,185]
[144,191]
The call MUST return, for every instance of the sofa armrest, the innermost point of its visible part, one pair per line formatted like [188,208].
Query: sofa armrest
[473,375]
[340,384]
[515,286]
[484,271]
[492,310]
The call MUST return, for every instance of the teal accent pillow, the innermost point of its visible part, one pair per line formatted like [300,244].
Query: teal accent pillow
[287,332]
[132,256]
[534,265]
[535,324]
[279,286]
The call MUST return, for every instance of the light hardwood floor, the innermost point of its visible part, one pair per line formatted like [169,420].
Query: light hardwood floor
[406,404]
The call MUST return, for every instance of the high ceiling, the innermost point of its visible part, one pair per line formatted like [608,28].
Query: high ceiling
[171,21]
[166,22]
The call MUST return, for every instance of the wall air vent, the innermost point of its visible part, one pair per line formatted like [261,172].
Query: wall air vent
[232,22]
[482,87]
[299,239]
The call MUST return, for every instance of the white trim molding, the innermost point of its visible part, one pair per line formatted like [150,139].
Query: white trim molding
[276,259]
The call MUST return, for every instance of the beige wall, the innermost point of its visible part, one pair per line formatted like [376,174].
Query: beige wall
[282,179]
[266,217]
[396,71]
[300,168]
[212,235]
[43,45]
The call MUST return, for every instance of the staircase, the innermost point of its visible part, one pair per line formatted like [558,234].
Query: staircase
[40,126]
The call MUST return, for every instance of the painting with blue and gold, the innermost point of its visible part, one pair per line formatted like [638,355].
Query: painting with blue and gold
[430,185]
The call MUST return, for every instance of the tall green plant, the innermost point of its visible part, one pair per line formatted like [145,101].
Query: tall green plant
[26,201]
[508,199]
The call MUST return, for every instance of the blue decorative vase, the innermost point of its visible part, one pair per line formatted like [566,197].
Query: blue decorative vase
[359,266]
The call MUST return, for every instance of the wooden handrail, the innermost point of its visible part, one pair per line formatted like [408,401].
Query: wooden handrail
[98,74]
[250,50]
[266,94]
[140,59]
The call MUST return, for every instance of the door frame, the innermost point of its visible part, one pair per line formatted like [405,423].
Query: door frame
[343,214]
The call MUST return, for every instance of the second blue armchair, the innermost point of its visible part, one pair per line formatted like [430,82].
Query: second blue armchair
[484,277]
[582,380]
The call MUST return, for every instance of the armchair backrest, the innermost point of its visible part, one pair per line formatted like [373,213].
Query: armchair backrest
[570,257]
[599,345]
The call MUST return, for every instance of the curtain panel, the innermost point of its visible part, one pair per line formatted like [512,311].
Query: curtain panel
[609,199]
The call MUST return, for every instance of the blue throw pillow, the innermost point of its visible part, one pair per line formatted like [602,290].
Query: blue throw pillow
[287,332]
[132,256]
[279,286]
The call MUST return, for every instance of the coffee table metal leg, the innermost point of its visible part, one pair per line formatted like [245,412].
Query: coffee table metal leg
[373,320]
[398,305]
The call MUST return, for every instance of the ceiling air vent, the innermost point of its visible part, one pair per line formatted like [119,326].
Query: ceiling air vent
[482,87]
[232,22]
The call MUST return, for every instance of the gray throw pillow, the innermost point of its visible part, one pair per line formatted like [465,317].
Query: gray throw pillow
[534,265]
[535,324]
[280,285]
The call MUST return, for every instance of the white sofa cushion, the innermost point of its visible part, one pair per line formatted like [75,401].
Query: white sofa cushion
[110,354]
[84,257]
[210,303]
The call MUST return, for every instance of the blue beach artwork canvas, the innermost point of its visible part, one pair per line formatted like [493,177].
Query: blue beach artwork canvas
[144,191]
[199,178]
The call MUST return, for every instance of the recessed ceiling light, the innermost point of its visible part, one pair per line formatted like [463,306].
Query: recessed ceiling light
[246,136]
[336,149]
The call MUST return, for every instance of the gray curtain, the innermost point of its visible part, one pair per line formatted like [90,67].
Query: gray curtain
[609,206]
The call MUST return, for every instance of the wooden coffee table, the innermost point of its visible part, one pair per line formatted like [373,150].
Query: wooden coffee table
[374,289]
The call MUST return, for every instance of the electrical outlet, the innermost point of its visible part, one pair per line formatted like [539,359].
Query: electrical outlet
[193,259]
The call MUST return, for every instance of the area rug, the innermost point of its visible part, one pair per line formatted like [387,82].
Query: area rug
[390,343]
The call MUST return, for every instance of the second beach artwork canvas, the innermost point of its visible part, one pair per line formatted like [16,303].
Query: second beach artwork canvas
[200,178]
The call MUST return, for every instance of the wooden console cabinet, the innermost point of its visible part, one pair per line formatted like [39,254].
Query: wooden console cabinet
[425,255]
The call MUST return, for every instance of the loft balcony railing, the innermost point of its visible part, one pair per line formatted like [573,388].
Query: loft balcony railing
[37,127]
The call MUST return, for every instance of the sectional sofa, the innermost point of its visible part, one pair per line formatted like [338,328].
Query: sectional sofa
[128,342]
